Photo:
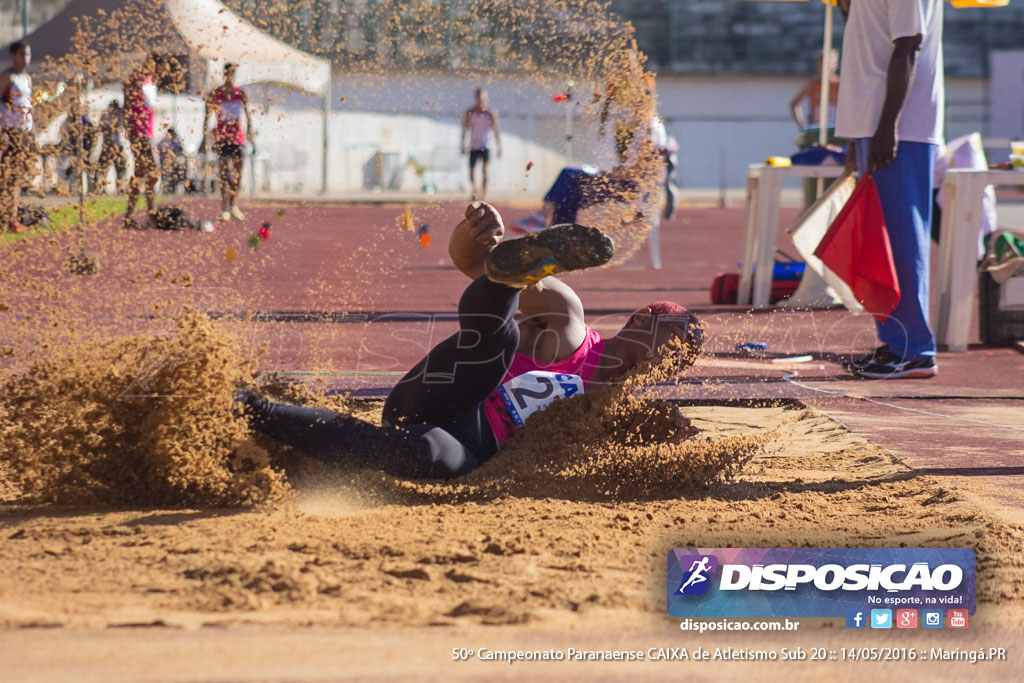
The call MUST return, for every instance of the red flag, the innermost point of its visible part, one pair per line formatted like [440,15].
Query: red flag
[856,248]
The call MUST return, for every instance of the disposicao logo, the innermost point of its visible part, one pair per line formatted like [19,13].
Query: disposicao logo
[697,578]
[817,582]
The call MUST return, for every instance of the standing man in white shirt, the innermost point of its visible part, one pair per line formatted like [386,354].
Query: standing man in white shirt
[891,107]
[17,140]
[479,122]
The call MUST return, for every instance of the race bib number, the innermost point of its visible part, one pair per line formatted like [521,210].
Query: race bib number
[532,391]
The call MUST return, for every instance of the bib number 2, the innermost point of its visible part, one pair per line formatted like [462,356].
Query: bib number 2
[532,391]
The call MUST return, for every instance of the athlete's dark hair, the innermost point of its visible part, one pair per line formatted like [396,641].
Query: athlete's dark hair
[17,46]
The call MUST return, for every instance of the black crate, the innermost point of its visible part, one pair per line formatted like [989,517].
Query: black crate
[997,328]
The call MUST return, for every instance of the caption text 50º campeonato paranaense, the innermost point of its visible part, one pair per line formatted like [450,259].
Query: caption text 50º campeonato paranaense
[732,654]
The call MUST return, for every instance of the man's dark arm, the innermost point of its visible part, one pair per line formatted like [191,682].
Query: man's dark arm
[897,86]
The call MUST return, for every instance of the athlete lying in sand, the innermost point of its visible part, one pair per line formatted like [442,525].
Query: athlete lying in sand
[451,412]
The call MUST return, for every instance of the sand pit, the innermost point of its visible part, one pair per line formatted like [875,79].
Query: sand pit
[336,558]
[136,421]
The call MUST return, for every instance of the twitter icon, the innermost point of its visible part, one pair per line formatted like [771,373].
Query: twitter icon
[881,618]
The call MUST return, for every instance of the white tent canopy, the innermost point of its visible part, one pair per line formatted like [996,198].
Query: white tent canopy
[219,35]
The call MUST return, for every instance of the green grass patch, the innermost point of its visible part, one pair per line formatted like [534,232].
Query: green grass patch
[65,217]
[96,209]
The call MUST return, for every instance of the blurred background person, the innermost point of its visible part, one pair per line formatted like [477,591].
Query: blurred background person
[19,143]
[805,106]
[77,137]
[229,102]
[111,130]
[172,161]
[140,89]
[478,124]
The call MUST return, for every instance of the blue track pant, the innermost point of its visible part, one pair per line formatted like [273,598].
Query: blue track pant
[905,189]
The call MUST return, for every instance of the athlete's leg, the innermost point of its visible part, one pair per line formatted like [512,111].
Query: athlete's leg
[565,197]
[150,174]
[904,189]
[409,451]
[472,178]
[446,388]
[152,178]
[484,165]
[120,168]
[236,176]
[224,175]
[133,182]
[133,197]
[9,183]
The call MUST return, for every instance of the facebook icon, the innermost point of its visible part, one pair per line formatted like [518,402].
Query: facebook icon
[856,618]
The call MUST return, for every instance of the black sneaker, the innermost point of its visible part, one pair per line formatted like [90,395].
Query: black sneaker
[559,249]
[888,365]
[857,362]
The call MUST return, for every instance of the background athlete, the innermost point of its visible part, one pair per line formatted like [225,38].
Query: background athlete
[111,127]
[140,89]
[17,140]
[451,412]
[478,123]
[230,103]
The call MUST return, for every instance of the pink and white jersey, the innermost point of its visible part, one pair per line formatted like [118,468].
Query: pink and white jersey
[480,125]
[141,114]
[230,106]
[16,106]
[530,386]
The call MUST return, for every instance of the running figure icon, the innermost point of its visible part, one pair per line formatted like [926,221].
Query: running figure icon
[698,573]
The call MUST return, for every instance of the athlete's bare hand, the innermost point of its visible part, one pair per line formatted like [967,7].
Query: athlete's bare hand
[485,223]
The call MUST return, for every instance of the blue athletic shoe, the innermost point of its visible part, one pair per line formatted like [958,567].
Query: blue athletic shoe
[887,365]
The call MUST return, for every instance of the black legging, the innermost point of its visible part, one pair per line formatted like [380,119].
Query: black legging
[434,420]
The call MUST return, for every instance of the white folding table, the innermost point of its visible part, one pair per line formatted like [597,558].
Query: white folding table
[958,249]
[764,184]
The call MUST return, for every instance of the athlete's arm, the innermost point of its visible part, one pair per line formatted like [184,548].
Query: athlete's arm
[206,121]
[248,120]
[496,129]
[794,105]
[465,132]
[5,82]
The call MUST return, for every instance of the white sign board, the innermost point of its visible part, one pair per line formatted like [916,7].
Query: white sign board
[1006,94]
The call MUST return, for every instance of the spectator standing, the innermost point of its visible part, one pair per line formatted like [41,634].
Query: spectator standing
[810,94]
[230,103]
[111,128]
[891,108]
[140,89]
[18,139]
[478,124]
[172,161]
